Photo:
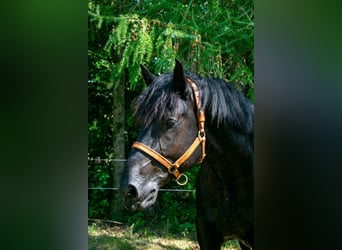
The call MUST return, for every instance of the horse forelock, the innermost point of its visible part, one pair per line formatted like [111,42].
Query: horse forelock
[153,103]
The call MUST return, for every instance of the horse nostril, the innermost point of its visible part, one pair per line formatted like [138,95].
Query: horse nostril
[132,191]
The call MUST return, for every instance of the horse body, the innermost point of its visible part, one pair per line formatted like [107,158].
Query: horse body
[224,191]
[224,199]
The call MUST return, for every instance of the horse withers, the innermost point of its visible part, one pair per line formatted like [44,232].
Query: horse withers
[186,119]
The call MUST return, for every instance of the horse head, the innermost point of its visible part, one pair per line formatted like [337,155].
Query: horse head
[168,140]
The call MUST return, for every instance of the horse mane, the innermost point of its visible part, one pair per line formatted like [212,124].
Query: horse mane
[223,104]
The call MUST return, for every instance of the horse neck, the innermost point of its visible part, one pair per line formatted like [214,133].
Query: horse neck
[229,153]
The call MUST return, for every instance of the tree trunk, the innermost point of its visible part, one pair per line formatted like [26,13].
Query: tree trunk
[119,148]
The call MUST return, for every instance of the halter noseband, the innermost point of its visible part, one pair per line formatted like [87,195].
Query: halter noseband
[200,139]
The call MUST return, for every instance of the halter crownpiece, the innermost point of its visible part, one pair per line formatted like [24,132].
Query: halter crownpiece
[200,139]
[200,117]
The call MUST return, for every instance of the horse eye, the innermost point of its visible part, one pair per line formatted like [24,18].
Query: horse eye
[170,123]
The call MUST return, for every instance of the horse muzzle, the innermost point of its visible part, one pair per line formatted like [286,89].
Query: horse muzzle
[135,200]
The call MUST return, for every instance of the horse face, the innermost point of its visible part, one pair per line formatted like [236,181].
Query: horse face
[170,136]
[144,175]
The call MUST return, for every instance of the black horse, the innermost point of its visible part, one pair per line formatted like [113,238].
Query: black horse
[184,119]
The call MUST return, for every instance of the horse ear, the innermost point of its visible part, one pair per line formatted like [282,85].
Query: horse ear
[179,78]
[147,75]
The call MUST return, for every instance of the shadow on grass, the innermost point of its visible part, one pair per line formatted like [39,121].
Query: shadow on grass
[108,243]
[122,238]
[105,242]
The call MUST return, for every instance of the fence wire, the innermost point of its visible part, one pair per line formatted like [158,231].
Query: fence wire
[99,160]
[162,189]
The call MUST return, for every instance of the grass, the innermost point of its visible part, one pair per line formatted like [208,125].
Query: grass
[122,237]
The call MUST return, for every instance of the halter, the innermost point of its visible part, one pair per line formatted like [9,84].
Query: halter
[200,139]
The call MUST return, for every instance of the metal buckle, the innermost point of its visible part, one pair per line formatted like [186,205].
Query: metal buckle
[172,169]
[201,134]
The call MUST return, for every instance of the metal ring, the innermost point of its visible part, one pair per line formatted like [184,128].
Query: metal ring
[185,180]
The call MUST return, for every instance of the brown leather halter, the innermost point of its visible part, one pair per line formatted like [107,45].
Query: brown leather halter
[200,139]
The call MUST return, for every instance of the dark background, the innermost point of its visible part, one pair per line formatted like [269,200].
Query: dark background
[298,114]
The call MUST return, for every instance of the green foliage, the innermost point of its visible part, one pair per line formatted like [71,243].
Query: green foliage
[130,41]
[100,144]
[133,41]
[98,200]
[213,38]
[179,213]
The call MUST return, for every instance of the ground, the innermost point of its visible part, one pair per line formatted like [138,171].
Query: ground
[116,236]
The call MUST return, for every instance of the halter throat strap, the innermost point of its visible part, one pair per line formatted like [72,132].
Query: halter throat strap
[173,168]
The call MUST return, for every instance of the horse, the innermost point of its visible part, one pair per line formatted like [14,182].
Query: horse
[185,119]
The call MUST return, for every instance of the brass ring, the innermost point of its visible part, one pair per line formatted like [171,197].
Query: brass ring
[185,180]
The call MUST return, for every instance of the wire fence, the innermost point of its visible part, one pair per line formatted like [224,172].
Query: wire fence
[100,160]
[162,189]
